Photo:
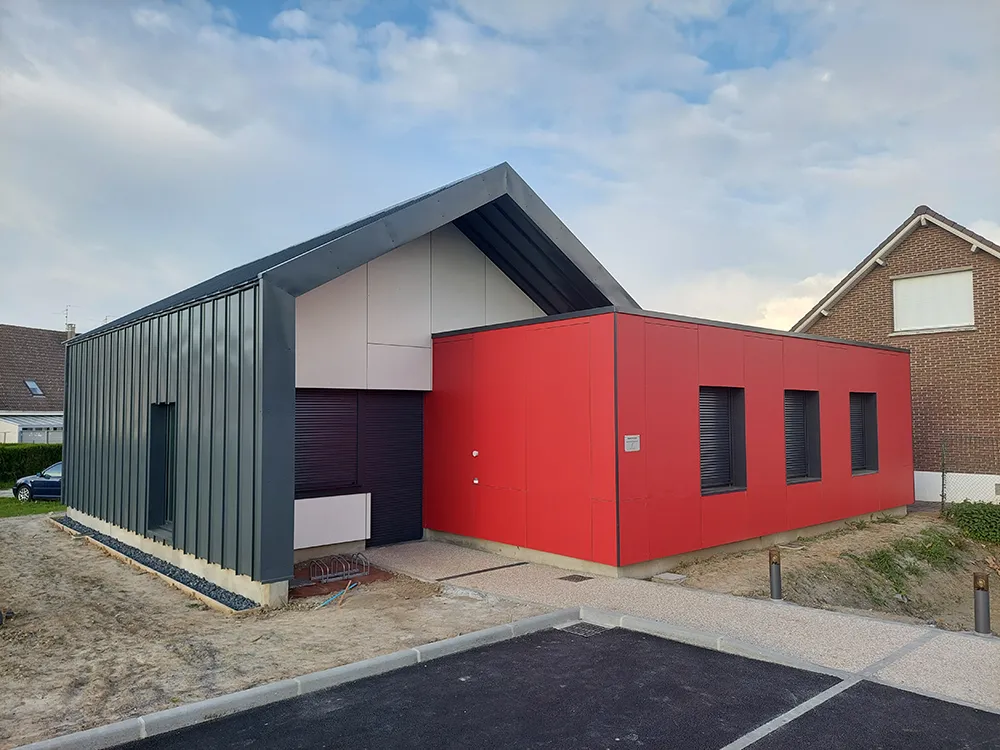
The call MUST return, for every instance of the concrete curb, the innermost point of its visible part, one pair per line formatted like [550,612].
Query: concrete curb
[149,725]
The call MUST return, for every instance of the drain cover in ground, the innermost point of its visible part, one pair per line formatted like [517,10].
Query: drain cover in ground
[585,629]
[575,578]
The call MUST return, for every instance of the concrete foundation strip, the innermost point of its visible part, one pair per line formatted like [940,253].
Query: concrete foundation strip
[214,708]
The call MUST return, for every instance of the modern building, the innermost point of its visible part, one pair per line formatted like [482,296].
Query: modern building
[32,363]
[293,407]
[932,287]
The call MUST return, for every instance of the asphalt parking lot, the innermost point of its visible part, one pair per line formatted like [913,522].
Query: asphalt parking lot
[613,689]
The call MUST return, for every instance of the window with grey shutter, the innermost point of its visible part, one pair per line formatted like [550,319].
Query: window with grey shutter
[722,437]
[802,454]
[864,433]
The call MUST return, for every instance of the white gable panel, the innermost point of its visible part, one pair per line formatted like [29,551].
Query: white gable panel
[399,368]
[331,333]
[458,281]
[505,302]
[399,295]
[942,300]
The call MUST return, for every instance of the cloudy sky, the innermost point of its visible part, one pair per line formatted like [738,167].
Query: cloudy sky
[722,159]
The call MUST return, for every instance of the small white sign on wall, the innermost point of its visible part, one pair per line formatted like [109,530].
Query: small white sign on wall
[631,443]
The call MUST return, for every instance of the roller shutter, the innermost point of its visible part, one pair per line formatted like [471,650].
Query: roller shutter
[858,450]
[715,416]
[796,451]
[392,463]
[326,441]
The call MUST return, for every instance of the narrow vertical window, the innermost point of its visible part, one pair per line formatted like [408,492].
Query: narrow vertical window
[864,433]
[722,434]
[802,454]
[161,496]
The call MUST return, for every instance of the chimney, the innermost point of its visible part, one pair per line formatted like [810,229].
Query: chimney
[70,330]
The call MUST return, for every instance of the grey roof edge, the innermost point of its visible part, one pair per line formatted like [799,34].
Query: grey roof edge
[386,231]
[553,227]
[669,317]
[850,275]
[307,265]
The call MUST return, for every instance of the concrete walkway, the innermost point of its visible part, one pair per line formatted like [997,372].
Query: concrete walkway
[958,666]
[6,493]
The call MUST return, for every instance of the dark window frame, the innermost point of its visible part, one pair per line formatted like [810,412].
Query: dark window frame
[34,388]
[736,438]
[161,498]
[863,410]
[803,457]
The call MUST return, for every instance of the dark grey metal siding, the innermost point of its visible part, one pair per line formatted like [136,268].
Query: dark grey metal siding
[205,358]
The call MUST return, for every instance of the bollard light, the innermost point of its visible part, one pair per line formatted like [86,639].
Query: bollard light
[981,592]
[774,557]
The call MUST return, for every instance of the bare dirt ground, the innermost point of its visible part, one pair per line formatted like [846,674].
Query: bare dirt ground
[96,641]
[918,569]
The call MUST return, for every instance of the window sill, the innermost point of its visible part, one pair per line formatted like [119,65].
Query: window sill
[720,490]
[804,480]
[864,472]
[923,331]
[332,492]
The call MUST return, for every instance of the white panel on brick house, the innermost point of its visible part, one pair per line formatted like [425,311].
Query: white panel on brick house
[941,300]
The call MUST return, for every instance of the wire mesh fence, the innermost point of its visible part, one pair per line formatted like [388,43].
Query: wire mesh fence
[969,468]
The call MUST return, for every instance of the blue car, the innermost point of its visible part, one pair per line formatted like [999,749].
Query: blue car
[45,485]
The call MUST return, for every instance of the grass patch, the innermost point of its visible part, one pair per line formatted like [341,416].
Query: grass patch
[6,484]
[912,557]
[979,521]
[11,507]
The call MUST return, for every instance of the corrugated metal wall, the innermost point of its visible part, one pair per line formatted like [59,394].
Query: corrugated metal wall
[204,358]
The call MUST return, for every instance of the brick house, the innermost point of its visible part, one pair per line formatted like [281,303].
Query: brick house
[933,287]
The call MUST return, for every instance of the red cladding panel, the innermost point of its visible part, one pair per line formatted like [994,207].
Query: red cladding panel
[538,405]
[662,364]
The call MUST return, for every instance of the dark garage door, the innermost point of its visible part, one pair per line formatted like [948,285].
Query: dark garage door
[364,441]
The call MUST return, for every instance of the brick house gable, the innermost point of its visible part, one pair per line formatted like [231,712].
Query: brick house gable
[955,375]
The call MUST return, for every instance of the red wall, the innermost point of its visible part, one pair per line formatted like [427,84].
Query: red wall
[537,403]
[661,365]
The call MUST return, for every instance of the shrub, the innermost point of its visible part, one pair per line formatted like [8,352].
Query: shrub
[979,521]
[21,459]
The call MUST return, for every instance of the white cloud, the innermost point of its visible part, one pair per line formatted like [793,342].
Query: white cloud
[733,294]
[147,145]
[295,20]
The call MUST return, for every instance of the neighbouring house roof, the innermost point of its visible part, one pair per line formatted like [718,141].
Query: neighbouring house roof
[31,421]
[31,354]
[495,209]
[921,216]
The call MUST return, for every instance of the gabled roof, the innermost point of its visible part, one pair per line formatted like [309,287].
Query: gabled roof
[495,209]
[921,216]
[31,354]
